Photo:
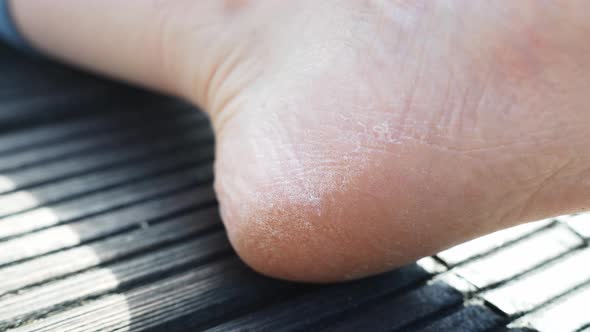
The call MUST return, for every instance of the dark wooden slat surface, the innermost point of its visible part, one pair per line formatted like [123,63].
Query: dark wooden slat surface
[57,238]
[18,142]
[57,191]
[38,300]
[108,222]
[102,202]
[397,313]
[106,140]
[66,262]
[327,303]
[67,167]
[474,318]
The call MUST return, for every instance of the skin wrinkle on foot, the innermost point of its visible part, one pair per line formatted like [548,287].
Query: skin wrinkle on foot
[385,136]
[307,193]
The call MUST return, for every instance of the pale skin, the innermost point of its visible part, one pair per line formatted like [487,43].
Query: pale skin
[356,136]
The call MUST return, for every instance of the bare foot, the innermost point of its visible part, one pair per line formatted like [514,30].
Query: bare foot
[356,136]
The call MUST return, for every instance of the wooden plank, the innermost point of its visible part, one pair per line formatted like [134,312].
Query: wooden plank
[86,163]
[103,201]
[568,314]
[109,138]
[387,316]
[58,132]
[35,110]
[66,262]
[520,257]
[165,162]
[117,304]
[39,300]
[24,81]
[452,279]
[472,318]
[70,235]
[58,103]
[325,302]
[188,295]
[486,244]
[543,285]
[111,135]
[24,77]
[580,223]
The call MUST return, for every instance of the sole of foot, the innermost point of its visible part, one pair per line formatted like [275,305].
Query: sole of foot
[357,136]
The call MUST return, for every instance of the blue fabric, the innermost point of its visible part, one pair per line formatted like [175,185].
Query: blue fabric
[8,30]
